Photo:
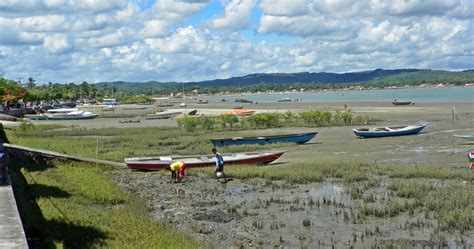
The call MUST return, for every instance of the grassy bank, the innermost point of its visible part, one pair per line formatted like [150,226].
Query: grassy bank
[74,205]
[115,144]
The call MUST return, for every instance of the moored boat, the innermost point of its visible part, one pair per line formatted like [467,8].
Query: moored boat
[163,162]
[290,138]
[388,131]
[467,137]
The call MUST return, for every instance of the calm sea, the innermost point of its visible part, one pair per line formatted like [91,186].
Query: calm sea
[418,95]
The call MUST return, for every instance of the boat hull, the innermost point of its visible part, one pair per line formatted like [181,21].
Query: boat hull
[197,162]
[402,103]
[291,138]
[71,117]
[467,137]
[374,134]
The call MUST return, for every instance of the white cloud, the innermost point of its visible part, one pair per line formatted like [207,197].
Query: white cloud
[237,15]
[76,40]
[56,43]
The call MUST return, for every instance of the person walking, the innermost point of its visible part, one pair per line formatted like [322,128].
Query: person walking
[219,171]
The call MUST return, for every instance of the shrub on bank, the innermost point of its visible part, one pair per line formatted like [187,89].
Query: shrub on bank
[311,118]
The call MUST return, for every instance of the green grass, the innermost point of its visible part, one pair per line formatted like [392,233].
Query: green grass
[441,173]
[77,206]
[451,206]
[302,172]
[117,144]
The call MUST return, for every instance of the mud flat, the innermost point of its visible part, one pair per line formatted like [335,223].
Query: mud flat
[258,213]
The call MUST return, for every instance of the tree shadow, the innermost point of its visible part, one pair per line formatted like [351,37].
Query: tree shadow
[40,190]
[73,235]
[42,233]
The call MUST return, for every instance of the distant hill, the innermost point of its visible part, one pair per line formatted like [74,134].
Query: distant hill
[378,76]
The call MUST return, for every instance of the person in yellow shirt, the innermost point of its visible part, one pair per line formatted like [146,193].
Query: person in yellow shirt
[177,171]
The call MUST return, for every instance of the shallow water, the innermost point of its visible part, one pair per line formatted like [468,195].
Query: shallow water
[417,95]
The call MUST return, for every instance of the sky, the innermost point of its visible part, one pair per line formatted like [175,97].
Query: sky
[139,40]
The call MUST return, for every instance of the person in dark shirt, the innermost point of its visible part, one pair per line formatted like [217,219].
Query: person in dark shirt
[219,171]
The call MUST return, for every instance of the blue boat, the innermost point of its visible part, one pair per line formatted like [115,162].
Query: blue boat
[467,137]
[388,131]
[291,138]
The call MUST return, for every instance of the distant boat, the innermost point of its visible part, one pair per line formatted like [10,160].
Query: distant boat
[290,138]
[162,115]
[69,114]
[238,107]
[388,131]
[395,102]
[284,100]
[239,112]
[163,162]
[467,137]
[193,112]
[202,101]
[243,101]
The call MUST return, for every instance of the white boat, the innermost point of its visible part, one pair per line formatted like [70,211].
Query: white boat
[469,137]
[69,114]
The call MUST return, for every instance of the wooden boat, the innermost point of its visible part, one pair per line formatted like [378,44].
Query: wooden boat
[290,138]
[239,112]
[467,137]
[163,162]
[388,131]
[402,102]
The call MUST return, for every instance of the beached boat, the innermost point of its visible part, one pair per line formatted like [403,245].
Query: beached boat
[69,114]
[202,101]
[402,102]
[17,113]
[163,162]
[467,137]
[290,138]
[162,115]
[239,112]
[284,100]
[243,101]
[388,131]
[193,112]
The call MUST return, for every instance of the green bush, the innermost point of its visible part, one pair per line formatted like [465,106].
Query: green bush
[229,119]
[264,120]
[207,123]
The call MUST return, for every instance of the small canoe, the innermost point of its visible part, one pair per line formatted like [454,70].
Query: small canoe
[163,162]
[290,138]
[388,131]
[467,137]
[402,103]
[241,112]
